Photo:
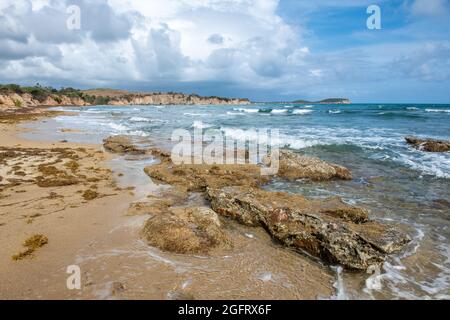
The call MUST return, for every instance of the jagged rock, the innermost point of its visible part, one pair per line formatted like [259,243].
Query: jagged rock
[293,166]
[121,145]
[186,230]
[329,229]
[198,177]
[429,145]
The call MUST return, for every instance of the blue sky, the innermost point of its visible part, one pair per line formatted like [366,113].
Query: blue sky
[266,50]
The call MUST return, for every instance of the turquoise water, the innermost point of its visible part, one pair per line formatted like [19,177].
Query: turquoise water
[395,182]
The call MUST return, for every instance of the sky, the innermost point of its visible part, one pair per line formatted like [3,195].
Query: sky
[265,50]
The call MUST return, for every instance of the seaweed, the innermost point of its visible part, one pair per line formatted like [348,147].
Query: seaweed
[32,244]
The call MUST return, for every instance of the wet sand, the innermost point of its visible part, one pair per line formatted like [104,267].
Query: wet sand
[87,224]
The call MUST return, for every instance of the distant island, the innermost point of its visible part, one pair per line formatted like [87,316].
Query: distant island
[15,96]
[325,101]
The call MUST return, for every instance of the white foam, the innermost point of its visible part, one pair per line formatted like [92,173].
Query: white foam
[339,286]
[334,111]
[265,277]
[139,133]
[246,110]
[301,111]
[117,126]
[438,110]
[412,108]
[140,119]
[276,111]
[195,114]
[233,113]
[201,125]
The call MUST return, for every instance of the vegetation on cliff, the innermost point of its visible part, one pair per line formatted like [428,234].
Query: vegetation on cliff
[19,96]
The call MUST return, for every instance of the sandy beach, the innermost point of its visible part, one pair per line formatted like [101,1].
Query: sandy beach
[83,210]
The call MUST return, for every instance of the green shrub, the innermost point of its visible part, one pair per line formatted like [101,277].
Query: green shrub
[17,103]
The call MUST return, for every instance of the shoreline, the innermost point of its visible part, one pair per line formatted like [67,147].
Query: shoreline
[99,234]
[60,213]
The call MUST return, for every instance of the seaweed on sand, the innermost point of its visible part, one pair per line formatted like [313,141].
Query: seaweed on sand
[32,244]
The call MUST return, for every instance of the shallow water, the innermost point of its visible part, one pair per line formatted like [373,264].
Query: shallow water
[395,182]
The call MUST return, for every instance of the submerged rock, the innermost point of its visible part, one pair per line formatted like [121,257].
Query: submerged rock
[329,229]
[186,230]
[293,166]
[121,145]
[429,145]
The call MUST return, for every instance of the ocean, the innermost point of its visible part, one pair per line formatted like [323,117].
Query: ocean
[395,182]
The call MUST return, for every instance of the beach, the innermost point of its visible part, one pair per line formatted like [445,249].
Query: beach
[111,222]
[100,235]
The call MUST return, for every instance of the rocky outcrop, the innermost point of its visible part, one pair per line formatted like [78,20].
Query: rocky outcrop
[195,230]
[121,145]
[429,145]
[196,178]
[293,166]
[329,229]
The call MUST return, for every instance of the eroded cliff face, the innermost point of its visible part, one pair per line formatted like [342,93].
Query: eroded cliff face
[14,100]
[25,100]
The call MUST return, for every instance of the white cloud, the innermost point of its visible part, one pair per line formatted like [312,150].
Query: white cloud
[242,44]
[430,7]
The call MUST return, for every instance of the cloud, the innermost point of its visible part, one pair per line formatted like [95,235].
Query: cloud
[216,39]
[430,7]
[244,46]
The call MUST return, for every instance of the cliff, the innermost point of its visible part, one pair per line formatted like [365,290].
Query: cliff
[14,96]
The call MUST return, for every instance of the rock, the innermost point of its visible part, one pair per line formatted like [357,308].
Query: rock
[329,229]
[196,178]
[117,288]
[154,207]
[293,166]
[195,230]
[121,145]
[429,145]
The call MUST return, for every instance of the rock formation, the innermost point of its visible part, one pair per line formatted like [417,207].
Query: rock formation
[429,145]
[186,230]
[121,145]
[293,166]
[328,229]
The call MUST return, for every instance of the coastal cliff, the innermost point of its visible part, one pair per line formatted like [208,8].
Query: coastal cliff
[14,96]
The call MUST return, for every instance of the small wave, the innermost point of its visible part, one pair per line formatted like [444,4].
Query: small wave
[412,108]
[94,111]
[201,125]
[334,111]
[139,133]
[117,126]
[339,285]
[438,110]
[246,110]
[429,164]
[282,141]
[195,114]
[276,111]
[301,111]
[308,106]
[140,119]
